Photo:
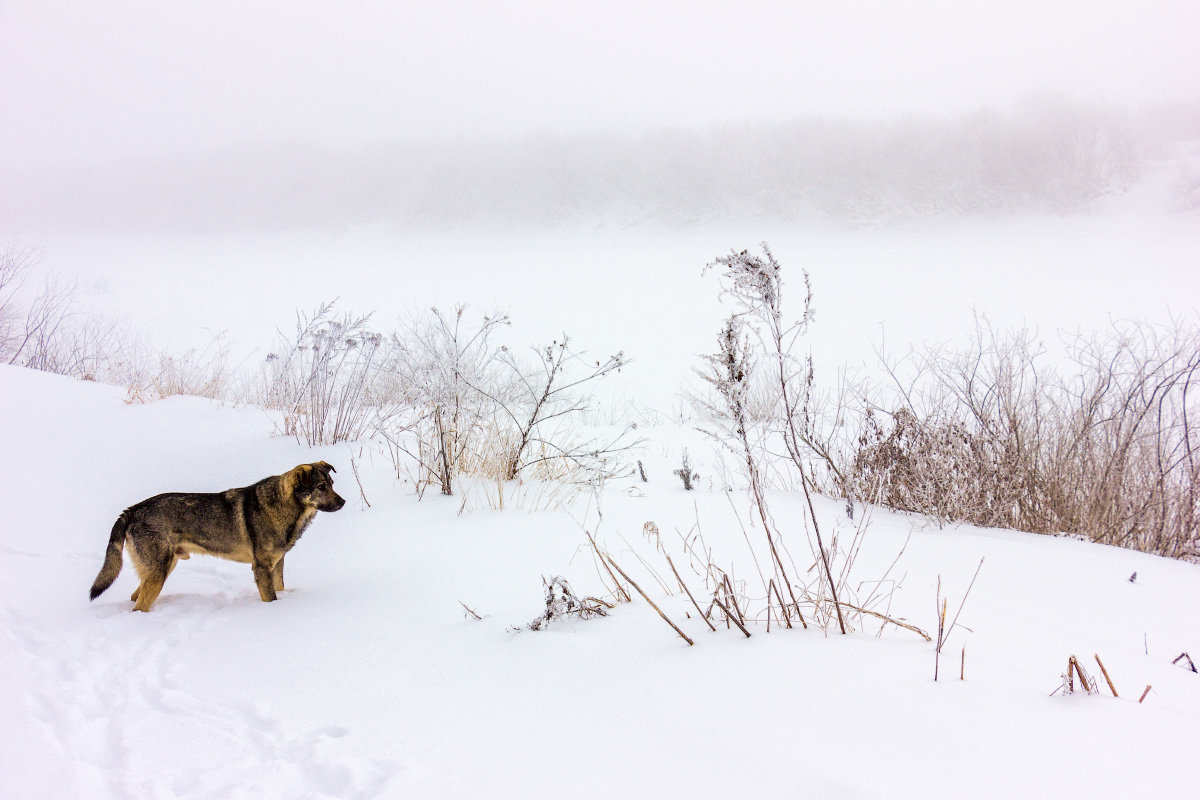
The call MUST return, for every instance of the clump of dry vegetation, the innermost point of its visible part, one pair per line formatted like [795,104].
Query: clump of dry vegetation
[562,604]
[763,410]
[1107,447]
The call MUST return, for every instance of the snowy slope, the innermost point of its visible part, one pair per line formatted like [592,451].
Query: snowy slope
[366,679]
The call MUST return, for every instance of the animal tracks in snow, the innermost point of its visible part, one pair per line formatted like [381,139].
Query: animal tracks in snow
[112,695]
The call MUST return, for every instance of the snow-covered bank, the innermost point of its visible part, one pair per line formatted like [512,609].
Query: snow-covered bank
[365,679]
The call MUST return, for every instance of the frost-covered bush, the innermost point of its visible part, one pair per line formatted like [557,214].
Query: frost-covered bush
[539,398]
[320,377]
[758,340]
[41,330]
[992,435]
[453,402]
[562,604]
[433,414]
[685,473]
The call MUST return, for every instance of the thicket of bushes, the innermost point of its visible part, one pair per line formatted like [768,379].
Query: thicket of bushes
[992,433]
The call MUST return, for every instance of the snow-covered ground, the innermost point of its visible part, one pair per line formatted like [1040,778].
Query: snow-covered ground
[366,679]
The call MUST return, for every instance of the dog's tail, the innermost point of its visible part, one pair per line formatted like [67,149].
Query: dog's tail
[112,556]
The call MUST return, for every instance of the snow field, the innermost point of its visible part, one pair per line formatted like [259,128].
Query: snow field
[367,680]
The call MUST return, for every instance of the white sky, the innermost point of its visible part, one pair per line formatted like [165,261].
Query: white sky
[92,82]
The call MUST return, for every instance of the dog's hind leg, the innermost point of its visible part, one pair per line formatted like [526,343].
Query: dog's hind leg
[152,567]
[148,591]
[138,591]
[277,574]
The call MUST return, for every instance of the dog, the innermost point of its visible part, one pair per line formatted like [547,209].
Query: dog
[255,525]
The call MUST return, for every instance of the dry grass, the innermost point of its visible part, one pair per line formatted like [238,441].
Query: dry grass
[992,435]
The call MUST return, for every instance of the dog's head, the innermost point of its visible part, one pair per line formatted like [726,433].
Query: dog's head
[314,486]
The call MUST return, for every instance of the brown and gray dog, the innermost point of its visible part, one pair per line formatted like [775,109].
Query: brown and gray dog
[255,525]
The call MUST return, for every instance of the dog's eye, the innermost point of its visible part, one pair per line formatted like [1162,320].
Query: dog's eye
[323,486]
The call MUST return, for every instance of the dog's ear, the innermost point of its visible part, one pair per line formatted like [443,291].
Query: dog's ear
[325,465]
[299,477]
[291,479]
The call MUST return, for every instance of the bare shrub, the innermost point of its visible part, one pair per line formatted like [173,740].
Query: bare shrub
[44,333]
[453,403]
[1133,446]
[991,435]
[960,440]
[540,399]
[13,272]
[431,413]
[34,334]
[757,349]
[684,472]
[319,378]
[41,341]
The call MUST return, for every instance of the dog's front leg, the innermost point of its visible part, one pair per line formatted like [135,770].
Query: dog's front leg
[265,581]
[277,574]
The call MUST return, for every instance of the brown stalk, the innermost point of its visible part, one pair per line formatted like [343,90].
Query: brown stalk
[1083,681]
[1105,672]
[688,592]
[645,597]
[729,616]
[787,618]
[733,599]
[361,492]
[821,546]
[708,614]
[886,618]
[620,589]
[941,637]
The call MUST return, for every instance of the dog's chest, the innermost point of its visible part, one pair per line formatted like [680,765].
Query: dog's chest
[300,526]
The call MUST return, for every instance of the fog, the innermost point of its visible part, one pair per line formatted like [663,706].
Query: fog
[228,115]
[208,168]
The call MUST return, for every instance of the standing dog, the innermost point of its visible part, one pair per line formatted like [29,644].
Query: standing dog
[255,525]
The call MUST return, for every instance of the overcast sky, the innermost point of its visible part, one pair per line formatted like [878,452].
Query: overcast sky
[96,82]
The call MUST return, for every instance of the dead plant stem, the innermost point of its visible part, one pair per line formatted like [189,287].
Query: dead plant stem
[688,592]
[646,597]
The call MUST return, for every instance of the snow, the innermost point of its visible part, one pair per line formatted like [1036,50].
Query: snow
[367,679]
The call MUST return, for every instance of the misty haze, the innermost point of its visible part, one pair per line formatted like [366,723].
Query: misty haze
[221,117]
